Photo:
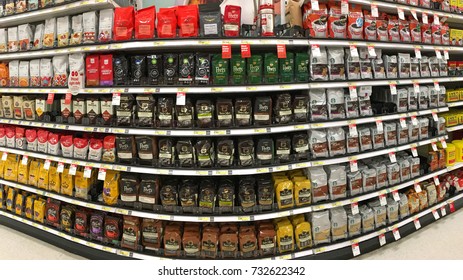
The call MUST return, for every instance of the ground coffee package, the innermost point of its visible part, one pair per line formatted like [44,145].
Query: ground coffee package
[186,68]
[205,153]
[319,66]
[202,69]
[271,68]
[149,189]
[283,149]
[155,69]
[165,110]
[318,105]
[185,114]
[204,113]
[129,184]
[121,70]
[255,69]
[318,143]
[283,111]
[124,110]
[147,149]
[287,68]
[145,110]
[224,110]
[301,145]
[137,70]
[301,107]
[238,70]
[220,70]
[337,141]
[166,152]
[170,67]
[263,110]
[225,152]
[265,151]
[336,103]
[185,153]
[301,67]
[246,152]
[126,148]
[336,66]
[210,20]
[243,111]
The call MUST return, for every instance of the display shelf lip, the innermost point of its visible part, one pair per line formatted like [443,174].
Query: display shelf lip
[75,7]
[225,218]
[455,104]
[329,42]
[297,254]
[224,172]
[220,132]
[455,128]
[382,82]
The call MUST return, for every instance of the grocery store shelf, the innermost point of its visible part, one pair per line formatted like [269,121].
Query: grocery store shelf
[455,128]
[222,218]
[325,251]
[455,166]
[399,82]
[224,171]
[222,132]
[58,11]
[455,104]
[391,7]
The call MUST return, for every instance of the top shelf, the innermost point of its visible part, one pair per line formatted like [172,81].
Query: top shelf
[58,11]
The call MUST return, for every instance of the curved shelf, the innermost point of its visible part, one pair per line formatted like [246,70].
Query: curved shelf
[225,172]
[227,218]
[221,132]
[58,11]
[455,104]
[300,254]
[455,128]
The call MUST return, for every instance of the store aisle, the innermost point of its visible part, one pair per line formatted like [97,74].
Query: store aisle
[438,241]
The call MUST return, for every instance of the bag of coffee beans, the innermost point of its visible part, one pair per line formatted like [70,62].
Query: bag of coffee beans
[155,71]
[170,63]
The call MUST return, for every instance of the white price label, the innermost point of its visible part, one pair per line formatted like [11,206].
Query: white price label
[314,5]
[371,51]
[353,130]
[392,157]
[435,117]
[413,12]
[417,224]
[355,249]
[395,195]
[374,10]
[181,98]
[401,13]
[379,126]
[72,169]
[355,208]
[353,166]
[418,53]
[393,88]
[414,152]
[116,101]
[87,172]
[344,7]
[438,54]
[434,146]
[46,166]
[382,239]
[446,55]
[382,199]
[424,16]
[396,233]
[403,123]
[353,51]
[436,181]
[353,92]
[435,214]
[25,160]
[436,19]
[60,168]
[417,188]
[316,49]
[416,88]
[443,211]
[414,120]
[443,143]
[4,156]
[102,174]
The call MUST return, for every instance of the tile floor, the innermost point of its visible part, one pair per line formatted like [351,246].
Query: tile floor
[441,240]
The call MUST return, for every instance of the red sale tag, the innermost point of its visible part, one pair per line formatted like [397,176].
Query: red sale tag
[452,207]
[50,98]
[281,50]
[226,51]
[245,51]
[374,10]
[67,99]
[181,98]
[424,17]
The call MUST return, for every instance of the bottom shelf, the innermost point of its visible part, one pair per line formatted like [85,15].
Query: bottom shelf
[340,250]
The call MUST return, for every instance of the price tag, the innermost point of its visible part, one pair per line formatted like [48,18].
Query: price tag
[413,12]
[226,51]
[87,172]
[435,117]
[392,157]
[443,211]
[382,239]
[434,146]
[396,233]
[417,188]
[344,7]
[24,160]
[379,126]
[245,50]
[436,181]
[414,120]
[438,54]
[355,249]
[382,199]
[101,174]
[424,16]
[395,195]
[435,214]
[374,10]
[436,19]
[401,14]
[353,166]
[316,49]
[418,53]
[46,165]
[414,152]
[50,98]
[371,51]
[353,130]
[443,143]
[181,98]
[60,167]
[281,50]
[116,101]
[417,224]
[403,123]
[355,208]
[416,88]
[314,5]
[446,55]
[452,207]
[72,169]
[353,92]
[353,51]
[393,88]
